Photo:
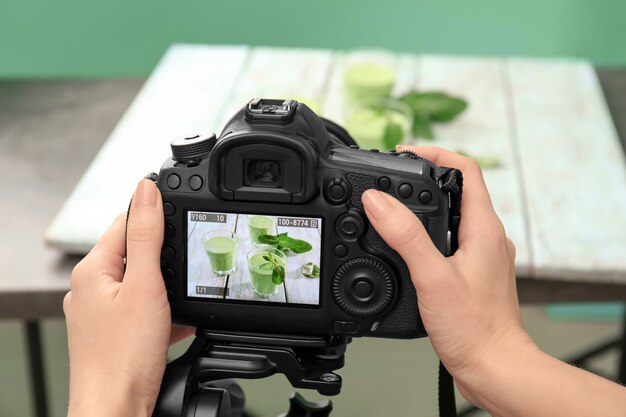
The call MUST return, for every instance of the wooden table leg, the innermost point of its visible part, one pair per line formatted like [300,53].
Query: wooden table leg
[621,371]
[35,362]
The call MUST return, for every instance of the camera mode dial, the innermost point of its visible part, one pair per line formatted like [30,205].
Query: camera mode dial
[363,287]
[191,147]
[408,154]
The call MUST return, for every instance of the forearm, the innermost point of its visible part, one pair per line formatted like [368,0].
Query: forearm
[529,383]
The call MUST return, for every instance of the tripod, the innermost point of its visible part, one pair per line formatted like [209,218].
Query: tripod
[199,384]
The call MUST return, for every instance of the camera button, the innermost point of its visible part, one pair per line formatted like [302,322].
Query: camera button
[350,226]
[362,289]
[168,274]
[405,190]
[173,181]
[195,182]
[384,183]
[341,251]
[345,326]
[425,197]
[170,231]
[337,191]
[168,209]
[168,252]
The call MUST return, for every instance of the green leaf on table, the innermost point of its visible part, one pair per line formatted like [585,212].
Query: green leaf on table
[310,270]
[422,128]
[300,246]
[285,243]
[393,135]
[434,106]
[268,239]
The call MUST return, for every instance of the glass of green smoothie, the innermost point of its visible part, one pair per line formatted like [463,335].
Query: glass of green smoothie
[261,269]
[369,74]
[259,226]
[221,248]
[380,124]
[365,81]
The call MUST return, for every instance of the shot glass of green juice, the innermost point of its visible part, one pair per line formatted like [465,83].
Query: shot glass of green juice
[261,269]
[259,226]
[221,248]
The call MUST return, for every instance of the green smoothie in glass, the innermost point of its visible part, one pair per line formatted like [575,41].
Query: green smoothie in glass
[369,124]
[261,270]
[221,248]
[368,80]
[259,226]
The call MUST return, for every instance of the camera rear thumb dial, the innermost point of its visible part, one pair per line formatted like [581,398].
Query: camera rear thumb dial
[363,287]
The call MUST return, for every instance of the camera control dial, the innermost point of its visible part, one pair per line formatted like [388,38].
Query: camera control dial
[190,147]
[363,287]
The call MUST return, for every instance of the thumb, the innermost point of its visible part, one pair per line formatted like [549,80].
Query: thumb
[144,236]
[404,233]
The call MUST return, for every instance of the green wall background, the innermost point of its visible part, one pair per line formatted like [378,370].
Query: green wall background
[120,38]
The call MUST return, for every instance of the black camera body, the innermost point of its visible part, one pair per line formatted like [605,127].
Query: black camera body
[237,209]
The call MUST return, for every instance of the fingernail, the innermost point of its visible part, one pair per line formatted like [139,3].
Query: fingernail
[146,193]
[376,202]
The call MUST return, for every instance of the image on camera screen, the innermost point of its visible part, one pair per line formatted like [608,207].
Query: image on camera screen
[250,257]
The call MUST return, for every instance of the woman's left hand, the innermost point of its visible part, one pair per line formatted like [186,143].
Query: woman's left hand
[118,322]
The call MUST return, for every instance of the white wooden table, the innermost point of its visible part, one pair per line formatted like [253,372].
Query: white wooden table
[561,191]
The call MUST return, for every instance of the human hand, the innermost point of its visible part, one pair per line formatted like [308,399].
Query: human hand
[118,323]
[468,302]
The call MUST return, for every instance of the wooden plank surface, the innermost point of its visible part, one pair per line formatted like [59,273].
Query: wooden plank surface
[484,130]
[279,72]
[573,170]
[182,95]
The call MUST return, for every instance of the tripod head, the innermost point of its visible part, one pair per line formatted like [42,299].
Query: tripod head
[197,383]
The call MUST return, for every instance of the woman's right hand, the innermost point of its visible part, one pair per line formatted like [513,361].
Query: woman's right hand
[468,301]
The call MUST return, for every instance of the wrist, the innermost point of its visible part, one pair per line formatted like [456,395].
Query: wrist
[110,397]
[497,364]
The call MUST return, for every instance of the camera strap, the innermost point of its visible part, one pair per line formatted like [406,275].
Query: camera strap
[450,180]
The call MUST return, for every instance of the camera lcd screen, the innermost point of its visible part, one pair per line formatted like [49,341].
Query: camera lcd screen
[254,258]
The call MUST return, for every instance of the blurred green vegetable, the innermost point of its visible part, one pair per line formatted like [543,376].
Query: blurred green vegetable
[432,107]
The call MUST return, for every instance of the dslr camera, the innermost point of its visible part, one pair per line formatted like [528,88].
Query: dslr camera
[265,231]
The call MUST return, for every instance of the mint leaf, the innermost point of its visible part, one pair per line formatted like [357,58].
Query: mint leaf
[300,246]
[268,239]
[284,241]
[295,245]
[393,135]
[434,106]
[278,274]
[422,128]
